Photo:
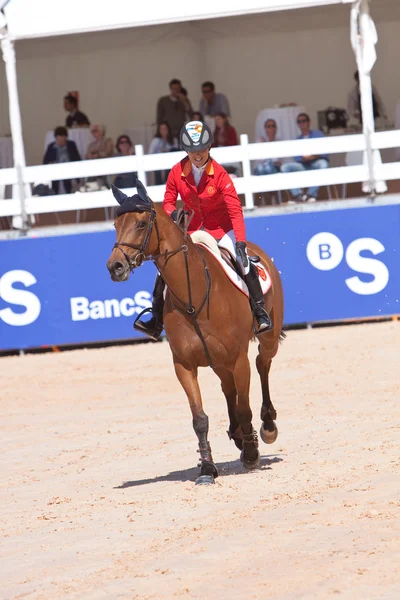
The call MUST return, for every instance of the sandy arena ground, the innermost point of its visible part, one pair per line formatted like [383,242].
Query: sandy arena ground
[98,463]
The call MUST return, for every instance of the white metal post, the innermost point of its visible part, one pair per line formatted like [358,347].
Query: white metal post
[363,39]
[141,173]
[248,194]
[7,46]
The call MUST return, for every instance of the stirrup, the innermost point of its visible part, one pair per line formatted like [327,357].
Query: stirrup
[152,331]
[265,326]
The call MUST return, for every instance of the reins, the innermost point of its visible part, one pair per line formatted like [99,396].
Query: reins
[185,309]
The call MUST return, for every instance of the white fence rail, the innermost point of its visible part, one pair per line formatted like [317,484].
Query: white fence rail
[244,153]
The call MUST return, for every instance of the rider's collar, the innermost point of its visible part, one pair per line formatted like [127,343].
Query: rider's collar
[187,167]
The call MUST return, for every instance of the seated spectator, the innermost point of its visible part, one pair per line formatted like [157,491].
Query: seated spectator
[174,108]
[354,102]
[75,118]
[187,102]
[268,166]
[124,147]
[62,150]
[101,147]
[306,163]
[197,116]
[224,133]
[213,102]
[163,141]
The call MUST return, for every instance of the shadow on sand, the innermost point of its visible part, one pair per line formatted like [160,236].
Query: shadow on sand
[234,467]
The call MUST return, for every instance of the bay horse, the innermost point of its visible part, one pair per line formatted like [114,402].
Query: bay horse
[207,320]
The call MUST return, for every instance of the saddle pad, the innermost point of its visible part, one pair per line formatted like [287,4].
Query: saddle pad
[263,275]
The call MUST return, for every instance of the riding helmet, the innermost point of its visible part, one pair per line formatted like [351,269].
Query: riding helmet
[195,135]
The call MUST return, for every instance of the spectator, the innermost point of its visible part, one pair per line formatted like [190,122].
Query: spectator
[163,141]
[224,134]
[189,104]
[75,117]
[306,163]
[213,102]
[197,116]
[124,147]
[268,166]
[354,102]
[174,108]
[62,150]
[101,147]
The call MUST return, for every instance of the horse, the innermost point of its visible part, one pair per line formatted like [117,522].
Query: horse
[207,320]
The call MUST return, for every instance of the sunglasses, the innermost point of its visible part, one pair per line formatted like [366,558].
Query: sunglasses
[302,121]
[123,142]
[271,126]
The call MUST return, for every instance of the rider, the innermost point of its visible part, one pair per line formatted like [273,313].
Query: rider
[206,188]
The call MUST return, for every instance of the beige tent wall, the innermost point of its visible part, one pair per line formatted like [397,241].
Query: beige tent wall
[258,61]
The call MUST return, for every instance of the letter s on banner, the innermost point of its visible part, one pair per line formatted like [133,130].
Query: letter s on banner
[19,297]
[371,266]
[325,251]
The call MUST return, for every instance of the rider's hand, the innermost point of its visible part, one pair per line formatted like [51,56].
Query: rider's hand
[173,215]
[241,252]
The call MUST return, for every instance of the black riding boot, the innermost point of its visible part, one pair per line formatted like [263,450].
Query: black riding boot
[257,300]
[154,326]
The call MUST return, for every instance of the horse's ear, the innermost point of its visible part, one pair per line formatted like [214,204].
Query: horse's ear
[118,195]
[141,190]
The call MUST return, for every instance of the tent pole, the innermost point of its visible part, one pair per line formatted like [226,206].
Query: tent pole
[363,44]
[7,46]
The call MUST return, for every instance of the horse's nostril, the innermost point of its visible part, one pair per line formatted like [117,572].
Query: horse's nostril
[118,267]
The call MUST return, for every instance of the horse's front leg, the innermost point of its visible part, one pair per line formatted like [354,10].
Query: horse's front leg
[229,390]
[187,377]
[250,455]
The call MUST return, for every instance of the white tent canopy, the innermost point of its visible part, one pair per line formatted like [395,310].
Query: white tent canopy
[39,18]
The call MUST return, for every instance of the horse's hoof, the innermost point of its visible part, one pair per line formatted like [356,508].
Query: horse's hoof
[205,480]
[268,437]
[250,465]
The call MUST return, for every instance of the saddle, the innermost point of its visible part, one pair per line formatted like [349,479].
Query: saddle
[230,264]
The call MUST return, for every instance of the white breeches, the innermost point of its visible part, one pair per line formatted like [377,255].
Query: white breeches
[228,242]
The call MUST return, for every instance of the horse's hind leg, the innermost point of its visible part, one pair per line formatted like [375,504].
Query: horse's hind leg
[188,379]
[229,390]
[269,430]
[250,455]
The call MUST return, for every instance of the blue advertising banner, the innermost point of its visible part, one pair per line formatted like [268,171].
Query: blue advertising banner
[334,265]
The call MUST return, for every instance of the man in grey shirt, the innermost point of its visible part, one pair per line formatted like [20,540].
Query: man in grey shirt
[175,108]
[213,102]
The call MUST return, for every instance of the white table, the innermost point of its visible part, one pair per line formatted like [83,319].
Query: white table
[285,119]
[142,135]
[80,135]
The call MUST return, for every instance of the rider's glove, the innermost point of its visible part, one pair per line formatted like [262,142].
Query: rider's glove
[173,215]
[241,252]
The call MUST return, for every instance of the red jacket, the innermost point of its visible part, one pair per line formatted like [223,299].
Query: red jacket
[215,202]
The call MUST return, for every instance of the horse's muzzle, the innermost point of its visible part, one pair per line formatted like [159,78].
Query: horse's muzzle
[118,270]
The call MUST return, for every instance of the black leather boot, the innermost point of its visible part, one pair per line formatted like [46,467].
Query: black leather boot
[154,326]
[257,300]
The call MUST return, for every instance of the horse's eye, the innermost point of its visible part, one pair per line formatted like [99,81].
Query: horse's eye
[141,225]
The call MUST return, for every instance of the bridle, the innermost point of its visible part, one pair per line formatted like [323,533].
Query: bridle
[143,256]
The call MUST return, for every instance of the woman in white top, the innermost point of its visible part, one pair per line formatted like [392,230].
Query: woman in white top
[163,142]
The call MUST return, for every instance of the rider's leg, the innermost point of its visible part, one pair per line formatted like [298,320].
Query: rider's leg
[252,281]
[154,326]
